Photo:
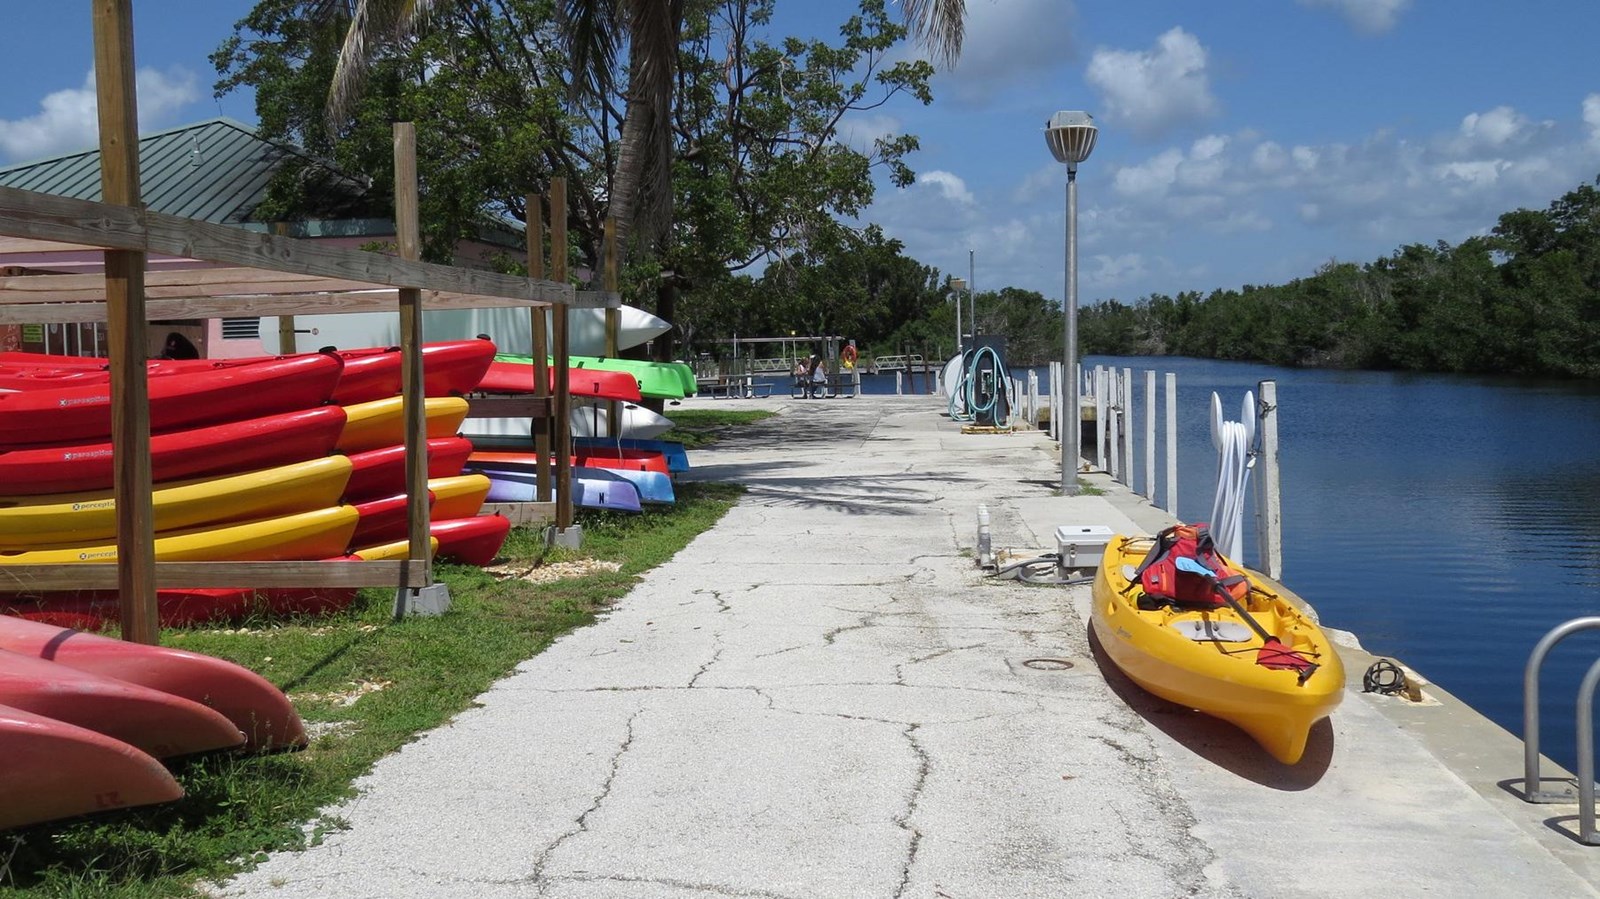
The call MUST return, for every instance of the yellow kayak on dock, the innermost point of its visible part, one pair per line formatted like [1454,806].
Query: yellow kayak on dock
[1209,653]
[82,518]
[318,534]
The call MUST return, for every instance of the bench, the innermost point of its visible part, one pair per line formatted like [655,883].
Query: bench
[729,389]
[803,388]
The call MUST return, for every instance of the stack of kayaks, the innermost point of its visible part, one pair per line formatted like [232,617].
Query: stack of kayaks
[1246,655]
[85,720]
[270,459]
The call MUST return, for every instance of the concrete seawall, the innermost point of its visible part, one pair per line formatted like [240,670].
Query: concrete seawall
[823,696]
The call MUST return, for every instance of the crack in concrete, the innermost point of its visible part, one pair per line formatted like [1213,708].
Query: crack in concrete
[582,824]
[695,886]
[715,657]
[903,821]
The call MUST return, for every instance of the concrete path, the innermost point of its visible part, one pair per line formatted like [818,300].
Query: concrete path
[822,697]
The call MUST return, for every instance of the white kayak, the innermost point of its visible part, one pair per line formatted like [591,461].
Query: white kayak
[508,328]
[586,420]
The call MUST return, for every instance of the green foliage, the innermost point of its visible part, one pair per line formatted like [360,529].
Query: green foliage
[1523,300]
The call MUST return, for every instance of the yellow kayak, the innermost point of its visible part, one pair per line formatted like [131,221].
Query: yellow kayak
[382,423]
[81,518]
[1208,657]
[319,534]
[461,496]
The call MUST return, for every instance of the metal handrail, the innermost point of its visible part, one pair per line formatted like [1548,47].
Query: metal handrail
[1530,717]
[1586,832]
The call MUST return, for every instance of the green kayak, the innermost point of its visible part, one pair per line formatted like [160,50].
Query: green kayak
[657,380]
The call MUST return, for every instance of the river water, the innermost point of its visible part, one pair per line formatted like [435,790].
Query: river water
[1448,521]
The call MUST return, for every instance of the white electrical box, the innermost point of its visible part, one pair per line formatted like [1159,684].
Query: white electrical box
[1082,545]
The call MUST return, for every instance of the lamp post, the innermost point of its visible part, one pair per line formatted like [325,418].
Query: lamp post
[1071,137]
[958,285]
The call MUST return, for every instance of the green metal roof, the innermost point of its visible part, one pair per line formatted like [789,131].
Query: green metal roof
[215,171]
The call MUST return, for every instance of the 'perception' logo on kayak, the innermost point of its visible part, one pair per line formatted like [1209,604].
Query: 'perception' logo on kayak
[106,554]
[97,504]
[82,400]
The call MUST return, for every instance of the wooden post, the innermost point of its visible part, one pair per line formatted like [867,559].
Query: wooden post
[1150,435]
[1127,428]
[1100,418]
[1172,444]
[286,338]
[413,398]
[560,415]
[609,282]
[125,324]
[538,319]
[1267,496]
[1113,406]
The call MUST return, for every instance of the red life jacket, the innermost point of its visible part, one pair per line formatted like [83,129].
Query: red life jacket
[1161,578]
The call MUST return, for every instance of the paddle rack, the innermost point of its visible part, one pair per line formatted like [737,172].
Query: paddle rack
[257,274]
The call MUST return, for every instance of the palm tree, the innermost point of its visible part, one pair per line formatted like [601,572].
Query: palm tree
[641,187]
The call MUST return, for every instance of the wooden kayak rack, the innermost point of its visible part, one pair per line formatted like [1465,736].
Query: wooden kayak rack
[262,274]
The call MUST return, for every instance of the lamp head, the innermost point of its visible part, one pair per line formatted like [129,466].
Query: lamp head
[1071,135]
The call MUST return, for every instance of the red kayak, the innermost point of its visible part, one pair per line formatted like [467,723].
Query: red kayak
[384,520]
[247,445]
[255,706]
[93,610]
[450,367]
[155,723]
[382,472]
[57,770]
[590,457]
[78,414]
[517,377]
[471,541]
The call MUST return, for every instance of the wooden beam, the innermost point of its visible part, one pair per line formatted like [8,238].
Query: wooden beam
[125,317]
[103,576]
[540,424]
[36,216]
[613,323]
[409,233]
[522,513]
[561,422]
[510,406]
[32,313]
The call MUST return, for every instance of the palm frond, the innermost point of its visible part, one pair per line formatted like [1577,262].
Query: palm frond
[939,26]
[592,31]
[373,24]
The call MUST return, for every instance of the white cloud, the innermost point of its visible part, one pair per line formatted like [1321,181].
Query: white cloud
[67,119]
[1369,16]
[1153,90]
[1495,128]
[1591,117]
[950,186]
[1009,43]
[859,131]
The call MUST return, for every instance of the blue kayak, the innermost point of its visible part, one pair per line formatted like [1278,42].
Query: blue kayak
[677,458]
[515,484]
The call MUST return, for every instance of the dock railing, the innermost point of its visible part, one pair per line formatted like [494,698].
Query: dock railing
[1532,782]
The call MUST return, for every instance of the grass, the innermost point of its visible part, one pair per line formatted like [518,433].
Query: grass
[700,427]
[399,677]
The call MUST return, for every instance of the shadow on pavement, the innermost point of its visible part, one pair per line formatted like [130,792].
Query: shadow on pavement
[1217,741]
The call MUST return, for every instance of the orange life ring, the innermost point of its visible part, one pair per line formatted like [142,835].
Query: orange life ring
[848,356]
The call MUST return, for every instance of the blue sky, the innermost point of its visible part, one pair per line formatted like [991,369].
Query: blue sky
[1241,141]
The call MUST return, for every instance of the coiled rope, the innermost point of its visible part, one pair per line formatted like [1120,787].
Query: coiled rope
[1235,458]
[1384,677]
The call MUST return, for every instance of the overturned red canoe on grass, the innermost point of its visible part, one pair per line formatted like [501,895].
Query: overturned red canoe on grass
[156,723]
[57,770]
[257,708]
